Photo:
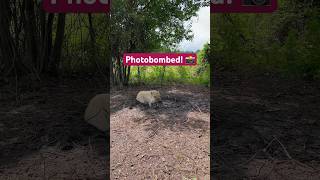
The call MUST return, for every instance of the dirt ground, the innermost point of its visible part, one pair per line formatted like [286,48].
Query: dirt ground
[170,140]
[44,135]
[265,127]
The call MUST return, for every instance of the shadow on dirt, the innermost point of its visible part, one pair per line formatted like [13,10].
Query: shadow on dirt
[173,112]
[249,112]
[49,116]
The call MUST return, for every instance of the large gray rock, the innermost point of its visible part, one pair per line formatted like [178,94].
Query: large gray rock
[97,112]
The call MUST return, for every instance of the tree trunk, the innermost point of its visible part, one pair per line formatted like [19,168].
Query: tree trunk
[46,43]
[31,37]
[57,49]
[92,36]
[8,50]
[139,75]
[126,75]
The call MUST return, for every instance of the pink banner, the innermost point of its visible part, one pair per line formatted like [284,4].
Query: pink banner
[243,6]
[159,59]
[76,6]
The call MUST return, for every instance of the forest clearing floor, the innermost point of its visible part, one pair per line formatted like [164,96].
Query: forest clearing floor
[265,127]
[169,140]
[44,135]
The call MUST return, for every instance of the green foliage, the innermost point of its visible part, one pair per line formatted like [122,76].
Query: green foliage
[198,75]
[145,25]
[79,53]
[286,41]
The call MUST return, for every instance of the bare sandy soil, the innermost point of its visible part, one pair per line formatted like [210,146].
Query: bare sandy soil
[170,140]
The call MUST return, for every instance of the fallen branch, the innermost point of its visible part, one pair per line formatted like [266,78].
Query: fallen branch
[263,150]
[284,149]
[194,105]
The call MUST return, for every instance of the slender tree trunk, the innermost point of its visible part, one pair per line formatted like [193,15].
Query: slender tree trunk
[48,42]
[92,37]
[162,75]
[8,50]
[139,75]
[120,69]
[57,49]
[126,83]
[31,36]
